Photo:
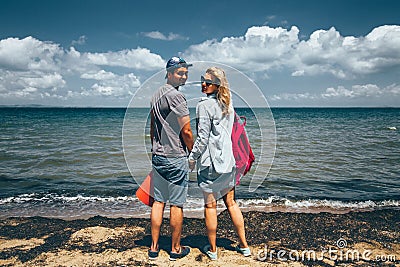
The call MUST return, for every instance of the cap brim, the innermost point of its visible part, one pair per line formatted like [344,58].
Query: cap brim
[184,65]
[180,65]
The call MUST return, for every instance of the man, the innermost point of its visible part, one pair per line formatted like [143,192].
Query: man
[172,140]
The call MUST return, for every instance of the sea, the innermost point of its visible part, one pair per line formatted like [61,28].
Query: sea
[73,163]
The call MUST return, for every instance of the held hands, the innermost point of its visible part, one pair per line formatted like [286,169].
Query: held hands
[192,164]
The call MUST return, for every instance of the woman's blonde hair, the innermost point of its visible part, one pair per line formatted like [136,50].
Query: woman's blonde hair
[223,94]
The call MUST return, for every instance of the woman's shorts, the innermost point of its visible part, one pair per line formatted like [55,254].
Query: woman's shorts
[170,178]
[217,183]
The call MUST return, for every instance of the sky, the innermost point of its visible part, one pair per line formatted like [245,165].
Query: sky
[341,53]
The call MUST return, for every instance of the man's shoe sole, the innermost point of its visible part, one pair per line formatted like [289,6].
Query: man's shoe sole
[176,256]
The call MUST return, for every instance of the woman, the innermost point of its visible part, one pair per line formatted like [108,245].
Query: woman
[212,151]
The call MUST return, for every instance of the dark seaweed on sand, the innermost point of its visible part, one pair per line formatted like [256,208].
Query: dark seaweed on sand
[297,231]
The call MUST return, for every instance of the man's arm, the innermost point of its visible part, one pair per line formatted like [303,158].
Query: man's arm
[186,131]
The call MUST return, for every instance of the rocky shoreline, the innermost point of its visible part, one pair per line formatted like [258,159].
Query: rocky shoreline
[276,239]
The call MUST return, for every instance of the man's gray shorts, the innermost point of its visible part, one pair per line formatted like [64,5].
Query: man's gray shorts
[170,178]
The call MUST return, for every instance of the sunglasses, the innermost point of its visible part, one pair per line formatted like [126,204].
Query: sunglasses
[208,82]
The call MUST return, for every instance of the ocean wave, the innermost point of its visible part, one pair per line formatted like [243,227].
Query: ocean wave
[197,203]
[24,198]
[319,203]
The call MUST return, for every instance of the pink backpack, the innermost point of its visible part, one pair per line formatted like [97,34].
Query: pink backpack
[241,148]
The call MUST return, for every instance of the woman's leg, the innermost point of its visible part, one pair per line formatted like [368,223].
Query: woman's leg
[210,214]
[236,216]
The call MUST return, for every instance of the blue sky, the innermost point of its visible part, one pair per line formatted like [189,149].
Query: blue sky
[299,53]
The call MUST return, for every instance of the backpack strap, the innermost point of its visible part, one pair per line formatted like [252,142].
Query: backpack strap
[243,118]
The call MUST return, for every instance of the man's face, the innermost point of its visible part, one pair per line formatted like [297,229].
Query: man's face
[178,77]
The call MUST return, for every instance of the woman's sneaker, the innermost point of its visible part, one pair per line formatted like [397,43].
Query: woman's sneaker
[245,251]
[184,252]
[212,255]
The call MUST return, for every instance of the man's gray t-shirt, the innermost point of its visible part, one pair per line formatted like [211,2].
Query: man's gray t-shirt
[168,104]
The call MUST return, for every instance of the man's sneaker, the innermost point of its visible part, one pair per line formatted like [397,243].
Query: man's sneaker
[153,255]
[212,255]
[184,252]
[245,251]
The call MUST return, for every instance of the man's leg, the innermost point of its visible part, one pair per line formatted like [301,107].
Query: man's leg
[176,220]
[157,212]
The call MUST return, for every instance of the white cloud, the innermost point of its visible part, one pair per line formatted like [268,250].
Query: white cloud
[21,84]
[36,69]
[100,75]
[260,49]
[160,36]
[29,54]
[326,51]
[110,84]
[340,91]
[139,58]
[295,97]
[81,41]
[53,81]
[367,91]
[345,57]
[298,73]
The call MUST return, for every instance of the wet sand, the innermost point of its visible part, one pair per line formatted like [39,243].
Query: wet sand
[276,238]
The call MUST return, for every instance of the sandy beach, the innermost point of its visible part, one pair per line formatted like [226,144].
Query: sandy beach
[276,238]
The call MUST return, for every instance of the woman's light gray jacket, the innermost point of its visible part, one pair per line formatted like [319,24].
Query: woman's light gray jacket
[213,145]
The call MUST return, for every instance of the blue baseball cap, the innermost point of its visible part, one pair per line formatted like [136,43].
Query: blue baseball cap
[176,62]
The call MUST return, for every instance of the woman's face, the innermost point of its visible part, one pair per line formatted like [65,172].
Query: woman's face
[207,86]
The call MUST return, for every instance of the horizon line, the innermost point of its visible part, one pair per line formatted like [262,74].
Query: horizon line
[49,106]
